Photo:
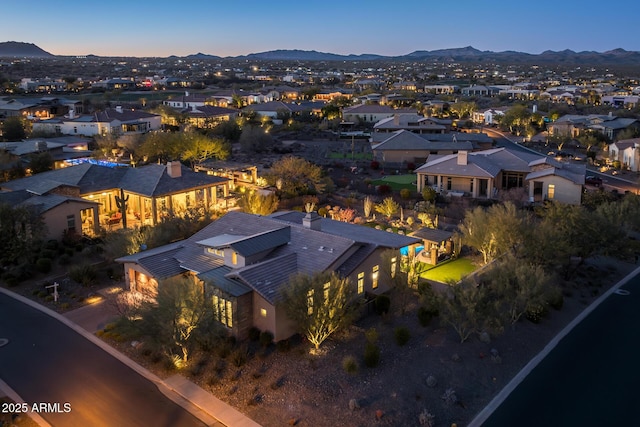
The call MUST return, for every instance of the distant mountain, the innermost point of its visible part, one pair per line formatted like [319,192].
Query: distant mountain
[22,50]
[308,55]
[462,55]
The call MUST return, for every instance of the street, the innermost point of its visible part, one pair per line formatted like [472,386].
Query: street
[46,362]
[590,378]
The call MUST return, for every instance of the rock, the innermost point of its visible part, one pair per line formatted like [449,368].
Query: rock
[494,352]
[456,357]
[432,381]
[484,337]
[353,404]
[496,359]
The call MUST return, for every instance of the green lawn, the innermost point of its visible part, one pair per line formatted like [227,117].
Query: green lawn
[447,270]
[397,182]
[347,156]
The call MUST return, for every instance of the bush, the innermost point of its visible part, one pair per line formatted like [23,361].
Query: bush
[84,274]
[382,304]
[425,315]
[266,338]
[555,298]
[43,265]
[254,333]
[375,165]
[536,312]
[322,212]
[384,189]
[239,357]
[350,365]
[371,335]
[64,259]
[405,193]
[283,346]
[402,335]
[47,253]
[371,355]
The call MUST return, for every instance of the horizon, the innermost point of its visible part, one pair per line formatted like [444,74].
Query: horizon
[329,27]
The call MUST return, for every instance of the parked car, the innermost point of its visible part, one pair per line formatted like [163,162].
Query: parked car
[596,181]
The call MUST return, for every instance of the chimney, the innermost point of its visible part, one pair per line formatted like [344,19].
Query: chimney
[396,119]
[462,157]
[610,114]
[119,108]
[186,93]
[174,169]
[535,108]
[311,221]
[72,113]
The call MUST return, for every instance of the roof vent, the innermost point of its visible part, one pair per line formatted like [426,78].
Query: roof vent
[330,250]
[321,248]
[304,247]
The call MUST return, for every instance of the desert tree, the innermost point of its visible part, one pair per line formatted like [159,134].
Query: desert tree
[254,202]
[319,304]
[388,207]
[179,310]
[198,148]
[296,176]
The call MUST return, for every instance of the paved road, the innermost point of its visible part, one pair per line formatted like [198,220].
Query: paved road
[46,361]
[590,379]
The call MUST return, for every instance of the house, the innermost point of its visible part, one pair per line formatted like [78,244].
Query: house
[243,261]
[412,122]
[371,113]
[572,125]
[61,149]
[152,191]
[37,108]
[61,215]
[477,90]
[441,89]
[485,174]
[186,101]
[117,121]
[488,117]
[627,152]
[403,147]
[209,116]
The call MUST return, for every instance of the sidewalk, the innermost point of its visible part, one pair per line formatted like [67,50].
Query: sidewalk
[202,404]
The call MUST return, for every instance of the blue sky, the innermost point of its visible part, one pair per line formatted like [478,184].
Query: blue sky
[227,28]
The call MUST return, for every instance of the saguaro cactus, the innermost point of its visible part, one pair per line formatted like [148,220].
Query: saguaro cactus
[121,202]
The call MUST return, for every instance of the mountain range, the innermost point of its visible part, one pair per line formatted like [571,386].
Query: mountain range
[14,49]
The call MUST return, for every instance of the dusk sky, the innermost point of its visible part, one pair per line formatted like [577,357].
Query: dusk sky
[227,28]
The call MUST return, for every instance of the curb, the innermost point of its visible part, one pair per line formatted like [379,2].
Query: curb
[175,395]
[488,410]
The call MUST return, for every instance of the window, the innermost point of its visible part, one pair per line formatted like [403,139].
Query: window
[223,310]
[552,192]
[215,251]
[448,183]
[394,264]
[71,222]
[471,186]
[263,312]
[310,302]
[234,258]
[374,277]
[361,282]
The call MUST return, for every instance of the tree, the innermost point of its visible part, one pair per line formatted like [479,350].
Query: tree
[255,203]
[318,304]
[13,129]
[388,207]
[180,309]
[40,162]
[469,311]
[21,229]
[254,139]
[296,176]
[198,148]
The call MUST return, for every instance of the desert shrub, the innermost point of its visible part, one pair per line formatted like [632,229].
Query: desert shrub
[48,253]
[350,365]
[405,193]
[283,346]
[555,298]
[64,259]
[382,304]
[536,312]
[254,333]
[43,265]
[266,338]
[371,335]
[240,356]
[322,212]
[84,274]
[425,315]
[224,349]
[371,355]
[384,189]
[375,165]
[10,279]
[51,244]
[402,335]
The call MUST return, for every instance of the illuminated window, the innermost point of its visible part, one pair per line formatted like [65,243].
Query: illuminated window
[215,251]
[263,312]
[234,258]
[361,282]
[310,302]
[552,192]
[374,277]
[394,264]
[223,310]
